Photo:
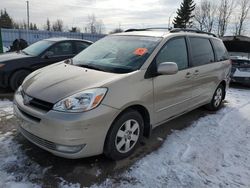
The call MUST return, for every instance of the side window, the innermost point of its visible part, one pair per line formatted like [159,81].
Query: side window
[174,51]
[80,46]
[202,51]
[220,50]
[62,48]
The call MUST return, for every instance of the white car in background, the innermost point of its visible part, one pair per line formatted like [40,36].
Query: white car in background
[240,70]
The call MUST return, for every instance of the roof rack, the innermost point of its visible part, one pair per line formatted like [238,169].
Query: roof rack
[148,29]
[176,30]
[173,30]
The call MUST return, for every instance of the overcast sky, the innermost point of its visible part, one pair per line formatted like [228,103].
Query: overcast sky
[127,13]
[74,13]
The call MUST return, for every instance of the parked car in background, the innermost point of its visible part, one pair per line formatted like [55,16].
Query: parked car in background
[15,66]
[240,72]
[119,89]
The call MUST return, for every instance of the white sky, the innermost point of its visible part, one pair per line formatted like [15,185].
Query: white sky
[126,13]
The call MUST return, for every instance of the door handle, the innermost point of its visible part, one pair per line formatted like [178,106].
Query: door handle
[196,72]
[188,75]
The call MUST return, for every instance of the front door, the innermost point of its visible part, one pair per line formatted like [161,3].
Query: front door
[173,93]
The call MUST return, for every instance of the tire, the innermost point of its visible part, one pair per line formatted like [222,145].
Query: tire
[17,78]
[217,99]
[124,135]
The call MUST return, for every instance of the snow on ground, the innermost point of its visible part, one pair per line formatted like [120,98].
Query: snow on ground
[213,152]
[6,109]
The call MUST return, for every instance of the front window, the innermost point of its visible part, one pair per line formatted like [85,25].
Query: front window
[38,47]
[117,54]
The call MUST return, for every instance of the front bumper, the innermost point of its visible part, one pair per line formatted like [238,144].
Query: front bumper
[51,129]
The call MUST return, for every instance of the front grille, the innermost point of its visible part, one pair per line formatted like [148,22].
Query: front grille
[38,140]
[43,105]
[39,104]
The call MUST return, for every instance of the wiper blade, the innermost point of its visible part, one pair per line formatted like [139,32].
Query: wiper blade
[90,67]
[24,52]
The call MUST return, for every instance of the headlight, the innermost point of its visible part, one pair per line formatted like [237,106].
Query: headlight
[82,101]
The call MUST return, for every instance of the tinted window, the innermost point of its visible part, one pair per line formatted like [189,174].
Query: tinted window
[62,48]
[80,46]
[202,51]
[220,50]
[174,51]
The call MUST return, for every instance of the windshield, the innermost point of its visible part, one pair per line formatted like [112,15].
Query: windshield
[117,54]
[37,48]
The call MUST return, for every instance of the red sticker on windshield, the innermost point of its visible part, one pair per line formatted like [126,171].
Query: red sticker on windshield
[140,51]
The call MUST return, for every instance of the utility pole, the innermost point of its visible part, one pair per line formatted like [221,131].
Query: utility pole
[28,15]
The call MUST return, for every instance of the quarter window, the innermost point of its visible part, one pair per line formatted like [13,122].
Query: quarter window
[174,51]
[202,51]
[220,50]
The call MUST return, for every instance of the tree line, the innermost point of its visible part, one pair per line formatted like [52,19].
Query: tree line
[93,25]
[214,17]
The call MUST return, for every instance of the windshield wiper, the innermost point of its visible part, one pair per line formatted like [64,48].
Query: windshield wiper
[90,67]
[24,52]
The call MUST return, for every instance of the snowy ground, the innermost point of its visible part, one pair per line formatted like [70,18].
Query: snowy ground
[212,152]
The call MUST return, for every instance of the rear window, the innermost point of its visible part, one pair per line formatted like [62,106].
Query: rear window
[202,51]
[220,50]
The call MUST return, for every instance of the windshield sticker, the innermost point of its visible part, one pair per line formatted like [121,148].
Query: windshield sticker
[140,51]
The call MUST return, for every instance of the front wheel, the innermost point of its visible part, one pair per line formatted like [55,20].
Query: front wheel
[217,99]
[124,135]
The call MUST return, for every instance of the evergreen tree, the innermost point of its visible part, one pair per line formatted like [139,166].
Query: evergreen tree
[5,20]
[184,14]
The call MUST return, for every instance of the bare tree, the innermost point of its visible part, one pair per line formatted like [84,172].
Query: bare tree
[224,14]
[57,25]
[244,7]
[205,15]
[94,25]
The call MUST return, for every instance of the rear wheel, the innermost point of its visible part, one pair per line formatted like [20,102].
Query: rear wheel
[217,99]
[124,135]
[17,78]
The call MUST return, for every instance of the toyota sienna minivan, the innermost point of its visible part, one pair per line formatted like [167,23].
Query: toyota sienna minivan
[108,97]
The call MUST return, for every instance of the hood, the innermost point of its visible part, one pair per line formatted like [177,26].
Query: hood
[61,80]
[12,56]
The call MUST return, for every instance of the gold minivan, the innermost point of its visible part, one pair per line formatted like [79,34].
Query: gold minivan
[108,97]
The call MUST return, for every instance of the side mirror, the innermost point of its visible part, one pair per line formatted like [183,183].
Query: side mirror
[167,68]
[48,54]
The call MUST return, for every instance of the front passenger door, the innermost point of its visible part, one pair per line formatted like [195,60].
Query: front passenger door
[172,93]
